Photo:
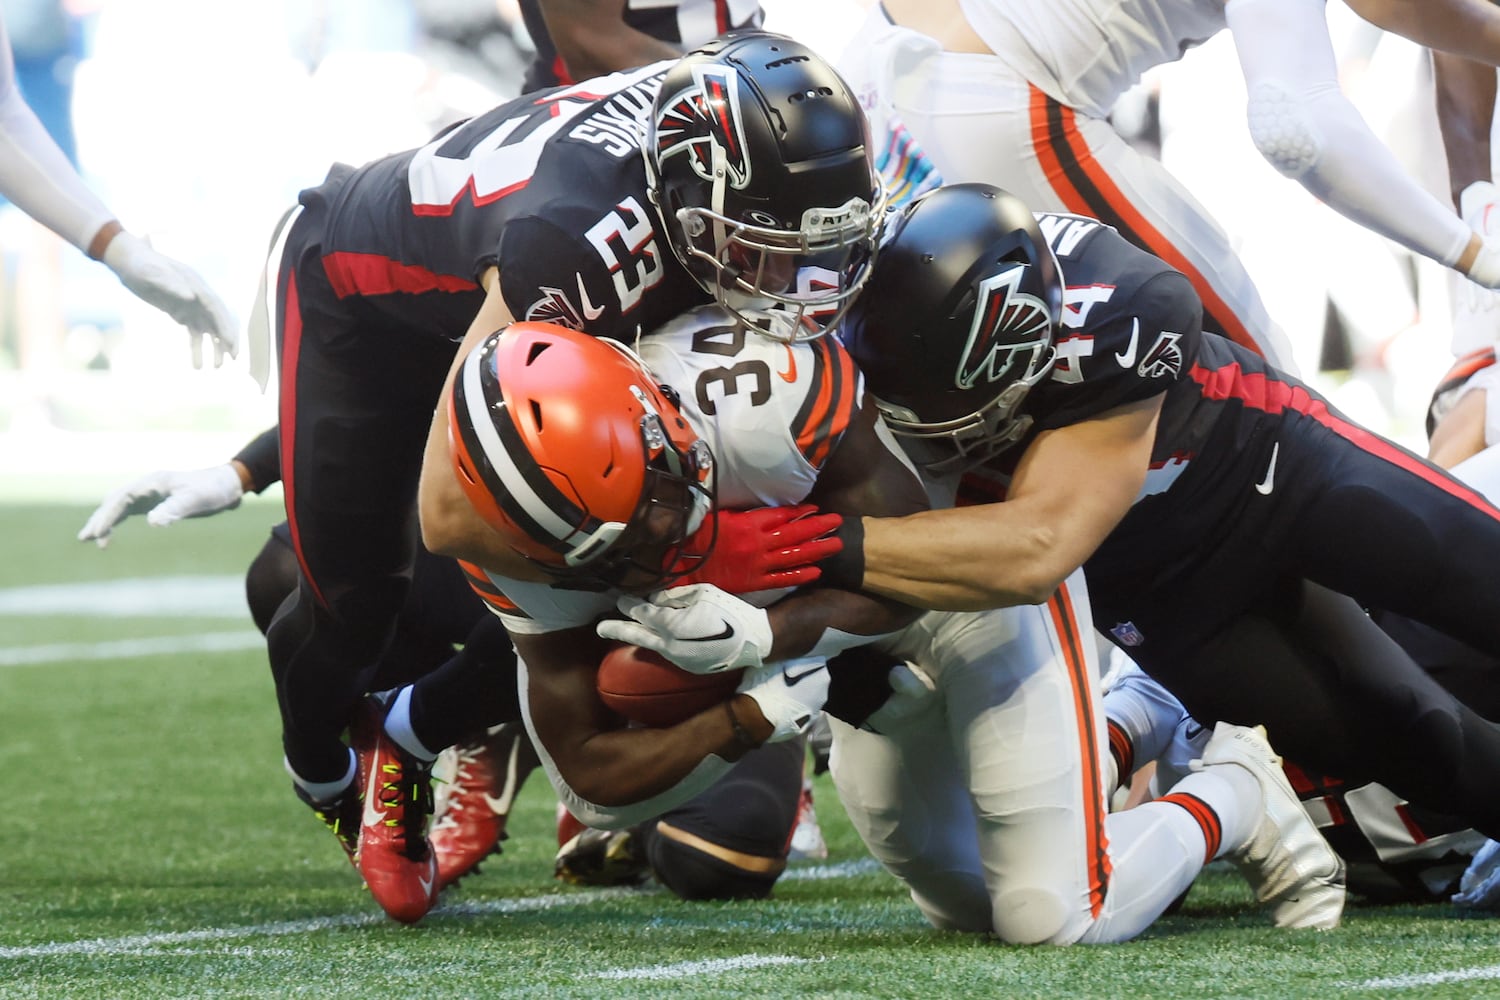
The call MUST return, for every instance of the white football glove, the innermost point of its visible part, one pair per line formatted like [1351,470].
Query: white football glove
[176,290]
[702,629]
[1479,204]
[790,694]
[1479,889]
[911,692]
[165,497]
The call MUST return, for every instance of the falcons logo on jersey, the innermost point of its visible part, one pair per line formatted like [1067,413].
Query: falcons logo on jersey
[705,116]
[555,307]
[1164,358]
[1005,320]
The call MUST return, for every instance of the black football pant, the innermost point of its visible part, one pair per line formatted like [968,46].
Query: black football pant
[1348,514]
[356,401]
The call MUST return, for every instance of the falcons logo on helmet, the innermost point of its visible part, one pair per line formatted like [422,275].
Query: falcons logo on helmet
[1164,358]
[1005,318]
[704,116]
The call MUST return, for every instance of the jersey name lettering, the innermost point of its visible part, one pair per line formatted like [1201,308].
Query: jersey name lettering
[617,125]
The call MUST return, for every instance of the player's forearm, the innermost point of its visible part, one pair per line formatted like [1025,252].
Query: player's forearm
[1308,130]
[824,621]
[592,38]
[1465,92]
[36,175]
[1468,28]
[623,767]
[964,559]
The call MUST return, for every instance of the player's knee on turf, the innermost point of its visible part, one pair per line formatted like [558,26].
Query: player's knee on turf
[1032,915]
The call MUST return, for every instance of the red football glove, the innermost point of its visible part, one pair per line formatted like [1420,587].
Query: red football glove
[764,548]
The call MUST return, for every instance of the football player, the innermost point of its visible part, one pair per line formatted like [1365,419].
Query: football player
[747,419]
[545,208]
[1017,94]
[1233,525]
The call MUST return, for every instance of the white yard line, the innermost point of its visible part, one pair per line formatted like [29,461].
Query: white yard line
[221,596]
[1426,979]
[120,649]
[152,943]
[704,967]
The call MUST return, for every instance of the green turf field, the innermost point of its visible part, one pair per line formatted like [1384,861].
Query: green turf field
[152,848]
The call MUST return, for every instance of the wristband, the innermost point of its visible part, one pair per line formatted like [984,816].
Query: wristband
[845,569]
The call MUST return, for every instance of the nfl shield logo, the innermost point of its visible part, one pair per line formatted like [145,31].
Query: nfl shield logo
[1127,634]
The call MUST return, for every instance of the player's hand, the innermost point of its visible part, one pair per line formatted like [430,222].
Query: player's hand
[700,628]
[1479,889]
[165,497]
[763,549]
[789,694]
[176,290]
[911,692]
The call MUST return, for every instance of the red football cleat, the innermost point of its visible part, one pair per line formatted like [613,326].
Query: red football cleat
[395,858]
[468,822]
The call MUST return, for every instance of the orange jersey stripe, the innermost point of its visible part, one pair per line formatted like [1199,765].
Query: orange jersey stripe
[1464,367]
[1081,182]
[831,403]
[482,585]
[1071,641]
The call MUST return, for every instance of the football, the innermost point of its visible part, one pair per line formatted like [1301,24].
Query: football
[644,687]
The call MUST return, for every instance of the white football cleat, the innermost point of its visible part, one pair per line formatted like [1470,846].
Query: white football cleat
[1286,860]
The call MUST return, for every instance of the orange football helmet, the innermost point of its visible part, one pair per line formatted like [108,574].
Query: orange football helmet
[569,447]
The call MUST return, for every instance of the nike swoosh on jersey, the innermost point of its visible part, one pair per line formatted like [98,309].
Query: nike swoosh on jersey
[792,679]
[1128,358]
[1266,485]
[790,375]
[590,311]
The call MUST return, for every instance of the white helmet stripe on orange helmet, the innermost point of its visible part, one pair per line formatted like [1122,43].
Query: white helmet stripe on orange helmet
[516,485]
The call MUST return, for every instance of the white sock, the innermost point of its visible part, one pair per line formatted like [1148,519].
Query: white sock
[398,727]
[323,791]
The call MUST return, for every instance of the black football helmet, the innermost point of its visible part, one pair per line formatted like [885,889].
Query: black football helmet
[958,322]
[758,160]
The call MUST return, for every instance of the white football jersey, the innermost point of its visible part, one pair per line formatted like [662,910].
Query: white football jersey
[1086,53]
[772,413]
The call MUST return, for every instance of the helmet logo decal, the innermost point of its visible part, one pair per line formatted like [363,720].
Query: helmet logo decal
[1164,358]
[702,117]
[1005,318]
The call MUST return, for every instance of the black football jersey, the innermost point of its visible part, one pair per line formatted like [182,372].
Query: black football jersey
[550,188]
[1132,330]
[684,23]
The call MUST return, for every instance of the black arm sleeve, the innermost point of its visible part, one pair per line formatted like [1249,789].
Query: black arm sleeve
[262,457]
